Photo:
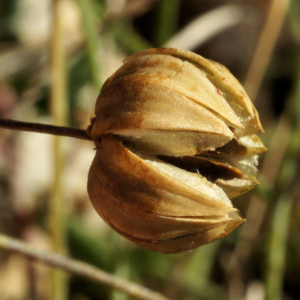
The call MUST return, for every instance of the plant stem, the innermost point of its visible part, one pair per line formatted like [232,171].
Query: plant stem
[277,247]
[78,268]
[166,21]
[266,43]
[59,111]
[44,128]
[90,27]
[127,36]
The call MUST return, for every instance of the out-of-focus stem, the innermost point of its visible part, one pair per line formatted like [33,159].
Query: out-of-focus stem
[78,268]
[294,17]
[57,211]
[166,21]
[90,27]
[268,37]
[127,36]
[206,26]
[277,247]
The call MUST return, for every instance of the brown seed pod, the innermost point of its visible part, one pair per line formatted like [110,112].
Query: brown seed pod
[175,139]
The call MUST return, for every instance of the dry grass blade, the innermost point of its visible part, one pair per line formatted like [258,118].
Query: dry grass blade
[78,268]
[206,26]
[268,37]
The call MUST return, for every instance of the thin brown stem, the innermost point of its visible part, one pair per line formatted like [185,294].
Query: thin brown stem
[43,128]
[266,43]
[78,268]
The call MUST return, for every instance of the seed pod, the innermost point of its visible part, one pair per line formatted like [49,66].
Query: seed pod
[175,140]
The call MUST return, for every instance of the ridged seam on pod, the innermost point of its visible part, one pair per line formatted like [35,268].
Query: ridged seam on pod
[175,140]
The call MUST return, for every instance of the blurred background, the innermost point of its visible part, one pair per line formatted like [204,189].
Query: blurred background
[82,42]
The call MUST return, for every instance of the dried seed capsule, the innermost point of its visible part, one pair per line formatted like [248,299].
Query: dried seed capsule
[175,139]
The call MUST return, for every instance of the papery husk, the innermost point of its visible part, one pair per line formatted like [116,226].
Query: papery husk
[236,187]
[160,126]
[155,210]
[175,139]
[173,102]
